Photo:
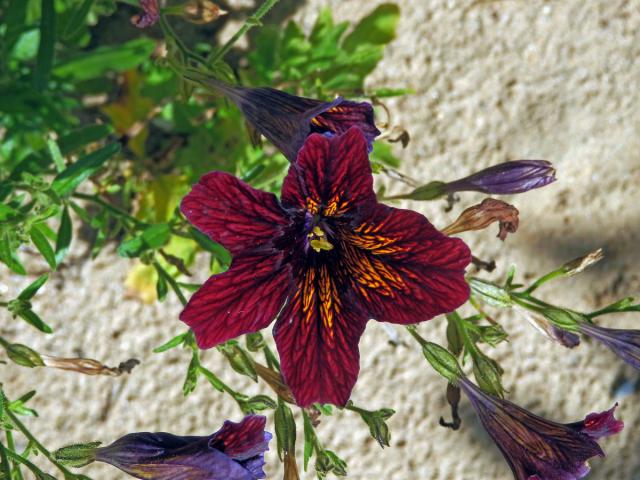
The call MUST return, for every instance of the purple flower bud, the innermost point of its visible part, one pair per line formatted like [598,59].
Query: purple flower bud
[510,177]
[287,120]
[536,448]
[150,14]
[235,452]
[624,343]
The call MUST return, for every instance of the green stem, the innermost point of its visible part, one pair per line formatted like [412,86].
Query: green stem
[11,446]
[414,333]
[544,279]
[114,210]
[4,463]
[171,281]
[25,431]
[251,22]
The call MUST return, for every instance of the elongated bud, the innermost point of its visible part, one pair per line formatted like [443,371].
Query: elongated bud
[510,177]
[484,214]
[77,455]
[579,264]
[22,355]
[239,360]
[88,366]
[442,361]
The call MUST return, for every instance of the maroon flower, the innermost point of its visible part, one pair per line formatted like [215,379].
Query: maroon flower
[287,120]
[323,260]
[235,452]
[150,14]
[537,448]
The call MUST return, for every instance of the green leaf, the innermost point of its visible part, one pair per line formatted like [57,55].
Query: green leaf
[68,180]
[152,237]
[174,342]
[34,320]
[161,288]
[193,372]
[42,244]
[377,28]
[9,256]
[32,289]
[63,239]
[96,63]
[44,60]
[309,437]
[56,155]
[213,380]
[77,19]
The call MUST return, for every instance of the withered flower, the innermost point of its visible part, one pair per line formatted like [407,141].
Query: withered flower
[149,16]
[235,452]
[484,214]
[536,448]
[287,120]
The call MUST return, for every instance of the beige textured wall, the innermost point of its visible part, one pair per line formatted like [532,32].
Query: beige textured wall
[493,81]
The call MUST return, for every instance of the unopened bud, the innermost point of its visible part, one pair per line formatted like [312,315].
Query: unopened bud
[484,214]
[580,264]
[77,455]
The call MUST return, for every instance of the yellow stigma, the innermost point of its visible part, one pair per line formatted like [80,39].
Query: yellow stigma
[318,240]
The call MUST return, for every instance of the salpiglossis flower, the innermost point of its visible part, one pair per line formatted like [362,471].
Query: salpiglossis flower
[235,452]
[536,448]
[324,260]
[287,120]
[624,343]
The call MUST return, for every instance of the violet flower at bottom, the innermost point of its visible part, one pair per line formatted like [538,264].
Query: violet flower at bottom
[536,448]
[235,452]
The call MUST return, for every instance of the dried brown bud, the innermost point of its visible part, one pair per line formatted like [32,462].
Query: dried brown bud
[275,381]
[580,264]
[88,366]
[202,11]
[484,214]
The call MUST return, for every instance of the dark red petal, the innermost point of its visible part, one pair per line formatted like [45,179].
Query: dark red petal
[403,268]
[233,213]
[244,299]
[317,336]
[331,176]
[243,440]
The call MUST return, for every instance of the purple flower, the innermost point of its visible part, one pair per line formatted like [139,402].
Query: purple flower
[536,448]
[510,177]
[624,343]
[150,14]
[287,120]
[235,452]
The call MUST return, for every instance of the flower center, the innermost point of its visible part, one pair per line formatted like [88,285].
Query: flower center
[318,239]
